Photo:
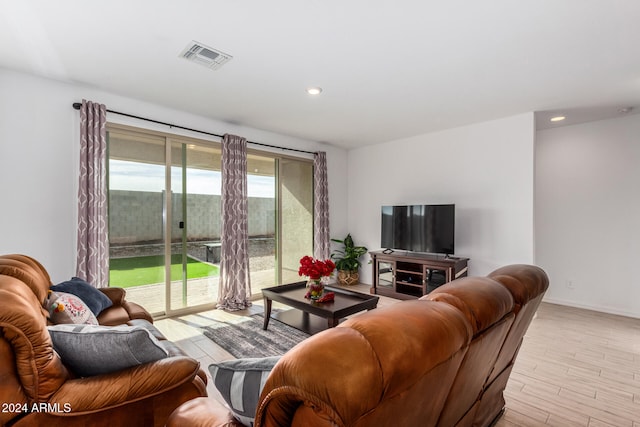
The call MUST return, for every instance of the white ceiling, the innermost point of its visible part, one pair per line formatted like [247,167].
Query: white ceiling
[389,69]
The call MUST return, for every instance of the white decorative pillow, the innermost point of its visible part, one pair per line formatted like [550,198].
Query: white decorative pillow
[240,383]
[68,308]
[93,350]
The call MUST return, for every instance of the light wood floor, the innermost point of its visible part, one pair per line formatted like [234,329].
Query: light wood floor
[575,368]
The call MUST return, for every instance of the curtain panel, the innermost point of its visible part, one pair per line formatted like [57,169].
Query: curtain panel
[321,239]
[235,285]
[92,263]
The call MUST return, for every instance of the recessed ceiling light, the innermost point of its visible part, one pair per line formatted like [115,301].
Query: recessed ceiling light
[558,118]
[314,90]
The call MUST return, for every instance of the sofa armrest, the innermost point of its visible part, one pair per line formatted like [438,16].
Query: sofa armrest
[122,310]
[137,311]
[115,389]
[202,412]
[116,295]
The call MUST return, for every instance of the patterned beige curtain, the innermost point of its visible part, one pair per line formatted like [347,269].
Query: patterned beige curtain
[92,262]
[321,239]
[235,286]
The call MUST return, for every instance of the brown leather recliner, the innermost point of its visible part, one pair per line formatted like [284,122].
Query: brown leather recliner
[40,390]
[442,360]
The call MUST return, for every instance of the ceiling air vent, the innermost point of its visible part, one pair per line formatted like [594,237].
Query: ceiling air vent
[205,55]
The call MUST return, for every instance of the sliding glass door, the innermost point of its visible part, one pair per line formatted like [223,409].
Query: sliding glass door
[164,218]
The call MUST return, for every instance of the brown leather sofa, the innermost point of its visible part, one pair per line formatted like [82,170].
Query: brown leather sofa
[37,389]
[442,360]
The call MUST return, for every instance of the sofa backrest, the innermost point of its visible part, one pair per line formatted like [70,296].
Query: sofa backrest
[390,366]
[29,271]
[488,307]
[527,284]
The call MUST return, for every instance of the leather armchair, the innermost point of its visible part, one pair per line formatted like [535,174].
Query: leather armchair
[41,390]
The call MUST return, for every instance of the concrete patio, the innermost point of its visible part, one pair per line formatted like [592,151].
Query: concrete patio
[199,291]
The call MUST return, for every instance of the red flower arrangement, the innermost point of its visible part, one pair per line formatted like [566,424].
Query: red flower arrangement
[315,268]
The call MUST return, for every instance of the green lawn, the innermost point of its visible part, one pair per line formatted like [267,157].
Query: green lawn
[145,270]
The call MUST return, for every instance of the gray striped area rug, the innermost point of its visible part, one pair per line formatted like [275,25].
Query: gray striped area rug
[246,338]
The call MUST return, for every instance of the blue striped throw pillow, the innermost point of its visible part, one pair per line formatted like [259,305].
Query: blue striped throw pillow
[240,383]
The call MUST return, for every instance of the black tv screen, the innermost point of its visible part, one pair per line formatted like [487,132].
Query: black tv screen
[419,228]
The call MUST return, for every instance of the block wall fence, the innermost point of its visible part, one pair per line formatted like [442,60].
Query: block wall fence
[135,217]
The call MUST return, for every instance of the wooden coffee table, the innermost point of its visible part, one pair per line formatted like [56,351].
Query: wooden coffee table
[309,316]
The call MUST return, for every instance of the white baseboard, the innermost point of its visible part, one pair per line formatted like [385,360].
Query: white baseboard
[601,309]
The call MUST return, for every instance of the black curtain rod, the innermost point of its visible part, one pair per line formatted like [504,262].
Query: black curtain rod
[77,105]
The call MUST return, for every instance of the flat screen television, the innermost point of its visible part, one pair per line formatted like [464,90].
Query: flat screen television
[419,228]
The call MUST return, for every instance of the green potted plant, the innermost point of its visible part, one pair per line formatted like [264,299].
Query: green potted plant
[347,260]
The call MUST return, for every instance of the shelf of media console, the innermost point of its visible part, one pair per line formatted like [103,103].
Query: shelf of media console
[408,275]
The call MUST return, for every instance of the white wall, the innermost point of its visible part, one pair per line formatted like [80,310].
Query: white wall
[486,169]
[588,214]
[39,140]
